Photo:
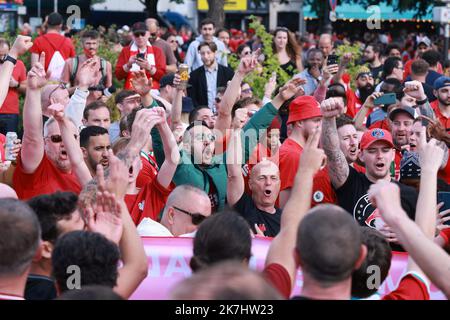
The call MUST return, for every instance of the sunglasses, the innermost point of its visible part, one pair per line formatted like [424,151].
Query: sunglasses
[205,137]
[197,218]
[56,138]
[245,53]
[153,35]
[139,34]
[218,99]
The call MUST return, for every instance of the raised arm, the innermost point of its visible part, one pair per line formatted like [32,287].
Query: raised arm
[338,166]
[432,259]
[282,248]
[142,86]
[171,152]
[20,46]
[33,141]
[71,145]
[343,63]
[362,113]
[231,95]
[135,267]
[415,90]
[235,181]
[177,103]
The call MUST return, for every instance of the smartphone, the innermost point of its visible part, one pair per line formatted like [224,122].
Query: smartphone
[332,59]
[445,198]
[385,99]
[140,56]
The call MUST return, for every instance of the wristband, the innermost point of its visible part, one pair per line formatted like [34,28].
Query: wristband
[10,59]
[421,102]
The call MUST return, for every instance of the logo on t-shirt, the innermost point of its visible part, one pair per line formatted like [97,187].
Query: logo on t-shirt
[141,205]
[365,214]
[318,196]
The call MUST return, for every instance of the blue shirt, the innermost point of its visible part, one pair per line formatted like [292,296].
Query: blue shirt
[311,83]
[211,82]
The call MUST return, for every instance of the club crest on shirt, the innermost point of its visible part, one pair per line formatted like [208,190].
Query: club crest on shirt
[318,196]
[141,205]
[365,214]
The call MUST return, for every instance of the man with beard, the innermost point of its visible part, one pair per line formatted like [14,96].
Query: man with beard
[377,153]
[313,71]
[442,108]
[371,56]
[305,117]
[94,143]
[364,88]
[90,41]
[349,141]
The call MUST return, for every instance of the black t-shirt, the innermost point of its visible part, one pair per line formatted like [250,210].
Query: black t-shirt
[376,73]
[269,223]
[40,288]
[353,197]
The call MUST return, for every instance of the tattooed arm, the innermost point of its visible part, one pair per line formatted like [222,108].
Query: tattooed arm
[338,166]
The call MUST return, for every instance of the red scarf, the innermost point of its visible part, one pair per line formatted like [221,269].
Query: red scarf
[134,50]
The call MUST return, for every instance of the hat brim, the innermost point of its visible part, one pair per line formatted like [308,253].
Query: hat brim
[378,140]
[394,112]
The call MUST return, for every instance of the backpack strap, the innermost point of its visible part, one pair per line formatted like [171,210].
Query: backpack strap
[73,73]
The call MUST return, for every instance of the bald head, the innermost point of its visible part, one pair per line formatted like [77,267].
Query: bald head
[7,192]
[265,167]
[265,185]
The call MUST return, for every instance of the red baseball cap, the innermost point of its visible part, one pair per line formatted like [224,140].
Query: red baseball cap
[302,108]
[374,135]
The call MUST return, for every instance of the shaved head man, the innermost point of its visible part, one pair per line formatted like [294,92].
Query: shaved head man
[326,44]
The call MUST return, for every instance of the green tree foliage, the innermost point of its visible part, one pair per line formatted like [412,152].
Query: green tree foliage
[257,79]
[352,67]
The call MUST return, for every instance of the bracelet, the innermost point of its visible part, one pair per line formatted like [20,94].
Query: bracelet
[421,102]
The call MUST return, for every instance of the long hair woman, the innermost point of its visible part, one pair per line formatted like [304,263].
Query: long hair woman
[287,50]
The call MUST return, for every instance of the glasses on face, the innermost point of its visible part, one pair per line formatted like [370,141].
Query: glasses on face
[197,218]
[139,34]
[246,53]
[205,137]
[60,86]
[153,35]
[248,90]
[218,99]
[56,138]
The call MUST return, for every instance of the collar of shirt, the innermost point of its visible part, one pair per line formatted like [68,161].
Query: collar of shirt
[213,68]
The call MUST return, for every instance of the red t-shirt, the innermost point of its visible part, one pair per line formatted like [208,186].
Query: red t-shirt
[148,172]
[409,288]
[443,119]
[289,157]
[2,146]
[11,104]
[47,178]
[51,42]
[445,234]
[279,278]
[149,202]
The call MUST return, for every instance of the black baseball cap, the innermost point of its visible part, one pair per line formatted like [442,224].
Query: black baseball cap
[54,19]
[139,27]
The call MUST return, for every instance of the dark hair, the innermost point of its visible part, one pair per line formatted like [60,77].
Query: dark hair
[376,47]
[90,131]
[96,256]
[241,48]
[329,244]
[221,90]
[90,34]
[194,113]
[223,30]
[393,83]
[432,57]
[336,90]
[389,65]
[210,45]
[313,51]
[379,254]
[209,246]
[391,46]
[52,208]
[242,103]
[207,21]
[123,94]
[419,67]
[94,106]
[19,237]
[130,118]
[344,120]
[54,19]
[90,293]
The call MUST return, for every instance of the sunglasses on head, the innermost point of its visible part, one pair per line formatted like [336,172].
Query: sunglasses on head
[197,218]
[56,138]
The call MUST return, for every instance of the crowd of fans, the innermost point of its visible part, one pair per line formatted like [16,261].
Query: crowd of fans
[339,169]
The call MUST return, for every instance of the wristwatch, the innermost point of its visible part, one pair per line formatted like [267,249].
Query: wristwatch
[10,59]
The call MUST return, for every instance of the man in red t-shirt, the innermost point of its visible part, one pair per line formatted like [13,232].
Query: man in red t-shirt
[56,47]
[9,111]
[43,165]
[441,106]
[306,117]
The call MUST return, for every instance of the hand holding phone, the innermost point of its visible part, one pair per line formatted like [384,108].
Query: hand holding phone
[385,99]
